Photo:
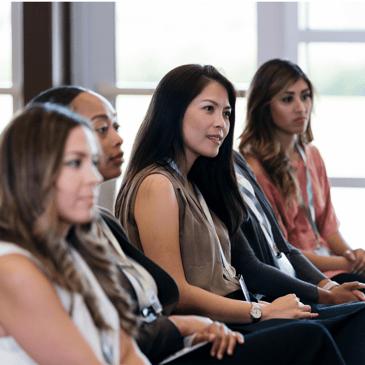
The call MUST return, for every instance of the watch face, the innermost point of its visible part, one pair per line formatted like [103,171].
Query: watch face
[256,312]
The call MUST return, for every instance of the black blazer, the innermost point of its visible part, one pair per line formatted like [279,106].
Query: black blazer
[160,338]
[252,257]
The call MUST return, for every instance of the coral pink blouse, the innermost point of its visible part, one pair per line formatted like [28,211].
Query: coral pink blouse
[293,221]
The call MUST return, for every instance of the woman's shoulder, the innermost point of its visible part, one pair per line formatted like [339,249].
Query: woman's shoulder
[7,248]
[156,186]
[154,174]
[27,266]
[313,154]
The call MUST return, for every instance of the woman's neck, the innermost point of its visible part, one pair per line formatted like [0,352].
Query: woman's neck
[186,165]
[185,168]
[287,142]
[63,229]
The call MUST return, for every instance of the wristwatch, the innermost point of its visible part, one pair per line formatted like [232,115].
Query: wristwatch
[255,312]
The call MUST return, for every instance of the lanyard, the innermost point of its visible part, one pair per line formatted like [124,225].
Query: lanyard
[253,203]
[148,302]
[311,213]
[228,268]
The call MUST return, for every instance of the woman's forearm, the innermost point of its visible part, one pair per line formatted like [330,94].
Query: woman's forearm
[327,263]
[198,301]
[337,244]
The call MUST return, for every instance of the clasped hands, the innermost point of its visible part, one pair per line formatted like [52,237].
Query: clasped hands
[222,338]
[357,259]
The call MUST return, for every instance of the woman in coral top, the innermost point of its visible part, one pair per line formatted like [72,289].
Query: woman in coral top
[276,143]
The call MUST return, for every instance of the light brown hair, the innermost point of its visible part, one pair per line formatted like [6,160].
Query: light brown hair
[31,155]
[258,138]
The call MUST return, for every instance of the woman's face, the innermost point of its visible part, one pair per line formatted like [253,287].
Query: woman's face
[291,108]
[76,185]
[206,122]
[103,117]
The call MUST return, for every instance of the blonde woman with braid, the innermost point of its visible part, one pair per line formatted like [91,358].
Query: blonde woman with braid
[60,301]
[276,143]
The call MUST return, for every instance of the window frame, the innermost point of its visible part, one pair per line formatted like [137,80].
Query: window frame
[278,36]
[15,89]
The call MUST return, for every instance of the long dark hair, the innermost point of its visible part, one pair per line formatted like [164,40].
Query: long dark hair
[160,136]
[31,156]
[258,138]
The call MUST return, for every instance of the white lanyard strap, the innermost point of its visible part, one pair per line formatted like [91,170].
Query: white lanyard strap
[311,216]
[254,204]
[148,302]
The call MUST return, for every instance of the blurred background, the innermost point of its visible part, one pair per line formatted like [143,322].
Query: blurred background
[122,49]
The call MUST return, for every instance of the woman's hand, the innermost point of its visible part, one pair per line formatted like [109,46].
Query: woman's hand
[223,339]
[357,259]
[288,306]
[347,292]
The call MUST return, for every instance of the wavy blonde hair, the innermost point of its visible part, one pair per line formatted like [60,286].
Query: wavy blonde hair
[258,138]
[31,152]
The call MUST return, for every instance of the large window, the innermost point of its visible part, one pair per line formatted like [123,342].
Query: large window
[331,48]
[154,37]
[142,40]
[6,99]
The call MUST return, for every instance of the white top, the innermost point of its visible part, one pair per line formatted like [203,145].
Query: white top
[12,354]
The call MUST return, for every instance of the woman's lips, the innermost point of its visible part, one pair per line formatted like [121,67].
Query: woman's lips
[118,159]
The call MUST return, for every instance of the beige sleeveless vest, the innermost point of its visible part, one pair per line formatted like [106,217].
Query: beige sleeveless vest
[199,243]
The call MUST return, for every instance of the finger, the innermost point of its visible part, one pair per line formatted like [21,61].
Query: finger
[232,340]
[308,315]
[362,265]
[350,286]
[203,336]
[356,267]
[359,295]
[216,329]
[240,338]
[349,255]
[359,262]
[305,308]
[225,338]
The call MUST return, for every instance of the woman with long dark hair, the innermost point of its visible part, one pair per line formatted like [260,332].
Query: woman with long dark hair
[180,204]
[182,153]
[276,143]
[159,334]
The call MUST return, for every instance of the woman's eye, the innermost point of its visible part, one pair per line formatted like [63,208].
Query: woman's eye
[116,127]
[96,162]
[74,163]
[227,114]
[287,99]
[209,107]
[102,129]
[306,97]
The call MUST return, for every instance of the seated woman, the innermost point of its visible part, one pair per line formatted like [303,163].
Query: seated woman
[179,201]
[159,334]
[290,170]
[62,304]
